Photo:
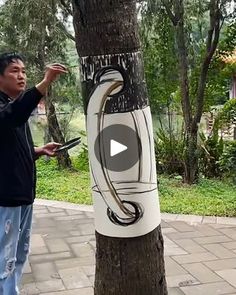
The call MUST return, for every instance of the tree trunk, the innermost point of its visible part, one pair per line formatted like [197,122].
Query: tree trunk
[106,34]
[63,158]
[191,158]
[54,129]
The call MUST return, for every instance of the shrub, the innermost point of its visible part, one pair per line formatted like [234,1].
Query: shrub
[83,160]
[169,152]
[210,151]
[228,160]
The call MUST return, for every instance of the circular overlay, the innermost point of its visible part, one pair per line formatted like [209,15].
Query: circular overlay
[117,147]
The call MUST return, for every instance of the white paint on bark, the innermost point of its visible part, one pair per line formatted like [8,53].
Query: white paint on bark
[137,184]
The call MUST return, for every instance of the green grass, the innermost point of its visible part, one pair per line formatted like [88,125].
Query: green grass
[209,197]
[62,185]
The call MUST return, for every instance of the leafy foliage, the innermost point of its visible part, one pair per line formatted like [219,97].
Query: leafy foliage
[169,153]
[228,160]
[211,149]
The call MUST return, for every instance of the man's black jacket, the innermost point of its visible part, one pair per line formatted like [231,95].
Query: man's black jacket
[17,168]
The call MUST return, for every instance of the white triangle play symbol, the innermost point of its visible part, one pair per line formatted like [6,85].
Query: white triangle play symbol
[116,147]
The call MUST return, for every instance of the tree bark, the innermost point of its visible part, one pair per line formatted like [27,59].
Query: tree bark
[63,158]
[106,34]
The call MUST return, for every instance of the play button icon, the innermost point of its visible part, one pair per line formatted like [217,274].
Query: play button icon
[117,147]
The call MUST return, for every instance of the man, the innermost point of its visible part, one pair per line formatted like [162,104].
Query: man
[17,168]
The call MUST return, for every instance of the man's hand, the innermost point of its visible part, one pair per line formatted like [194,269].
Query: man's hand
[51,74]
[47,150]
[53,71]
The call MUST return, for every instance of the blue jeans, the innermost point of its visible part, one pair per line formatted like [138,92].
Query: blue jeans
[15,229]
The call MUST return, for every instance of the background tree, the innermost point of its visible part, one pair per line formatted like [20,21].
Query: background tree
[197,26]
[34,28]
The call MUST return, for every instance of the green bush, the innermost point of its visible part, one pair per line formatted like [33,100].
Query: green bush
[83,160]
[228,160]
[210,151]
[169,152]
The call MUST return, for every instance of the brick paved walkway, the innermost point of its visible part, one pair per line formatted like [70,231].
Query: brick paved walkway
[200,252]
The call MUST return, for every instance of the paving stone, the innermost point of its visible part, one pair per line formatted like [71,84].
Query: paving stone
[82,291]
[53,210]
[175,291]
[39,250]
[58,234]
[212,240]
[82,249]
[208,289]
[196,257]
[226,220]
[30,289]
[192,219]
[168,230]
[208,230]
[181,226]
[74,212]
[27,268]
[164,224]
[73,262]
[49,257]
[43,230]
[221,264]
[89,270]
[90,214]
[230,232]
[173,268]
[202,273]
[230,245]
[67,230]
[28,278]
[209,219]
[168,216]
[176,281]
[57,245]
[219,226]
[190,246]
[50,286]
[219,251]
[84,230]
[37,241]
[72,217]
[40,207]
[74,278]
[229,275]
[93,244]
[44,271]
[46,215]
[46,222]
[80,239]
[40,211]
[185,235]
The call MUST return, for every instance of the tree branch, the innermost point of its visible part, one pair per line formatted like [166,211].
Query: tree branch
[211,45]
[169,12]
[66,7]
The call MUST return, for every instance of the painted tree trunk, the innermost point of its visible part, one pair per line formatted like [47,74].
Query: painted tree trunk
[129,256]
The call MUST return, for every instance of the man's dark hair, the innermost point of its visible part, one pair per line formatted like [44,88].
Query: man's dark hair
[7,58]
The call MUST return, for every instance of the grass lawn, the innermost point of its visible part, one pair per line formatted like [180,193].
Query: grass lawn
[209,197]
